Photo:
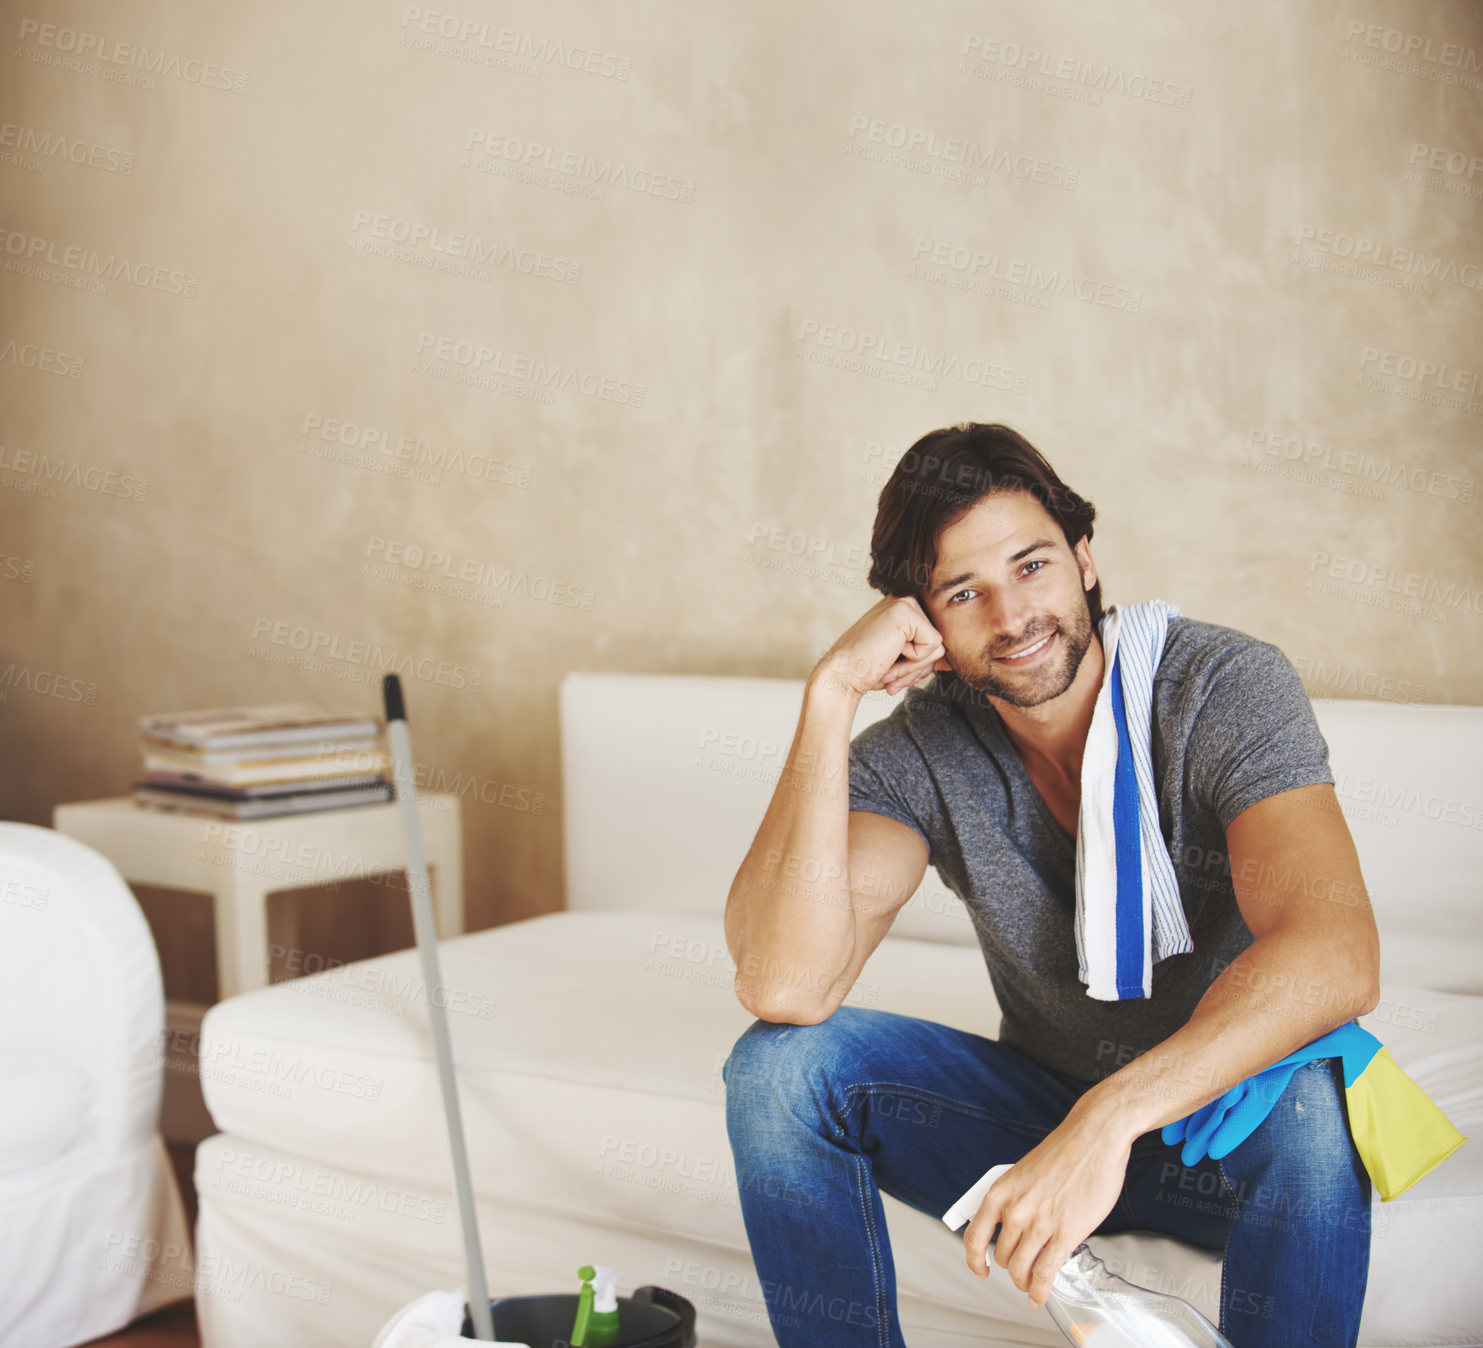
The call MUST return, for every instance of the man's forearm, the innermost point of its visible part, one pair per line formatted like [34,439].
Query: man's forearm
[1285,990]
[790,922]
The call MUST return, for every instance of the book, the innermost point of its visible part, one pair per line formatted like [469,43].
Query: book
[245,727]
[262,771]
[181,782]
[262,752]
[181,802]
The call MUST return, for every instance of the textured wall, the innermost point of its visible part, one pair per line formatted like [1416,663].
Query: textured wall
[623,315]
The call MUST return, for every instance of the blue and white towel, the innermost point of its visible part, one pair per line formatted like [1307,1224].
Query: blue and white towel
[1128,910]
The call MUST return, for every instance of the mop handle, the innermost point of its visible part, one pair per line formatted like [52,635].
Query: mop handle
[400,742]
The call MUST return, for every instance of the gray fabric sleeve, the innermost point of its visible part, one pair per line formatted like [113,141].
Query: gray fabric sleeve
[1255,734]
[889,776]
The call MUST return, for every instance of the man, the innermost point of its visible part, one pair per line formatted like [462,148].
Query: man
[991,621]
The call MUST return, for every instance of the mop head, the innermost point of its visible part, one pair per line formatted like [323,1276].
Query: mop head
[432,1321]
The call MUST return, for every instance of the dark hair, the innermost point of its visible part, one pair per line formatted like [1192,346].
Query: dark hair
[940,478]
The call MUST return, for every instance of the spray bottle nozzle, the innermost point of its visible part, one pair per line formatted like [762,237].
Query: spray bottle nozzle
[602,1323]
[578,1336]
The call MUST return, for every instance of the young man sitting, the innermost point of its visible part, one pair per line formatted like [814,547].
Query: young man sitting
[993,619]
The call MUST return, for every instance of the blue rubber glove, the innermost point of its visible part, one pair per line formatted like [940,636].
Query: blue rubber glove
[1195,1130]
[1217,1129]
[1263,1092]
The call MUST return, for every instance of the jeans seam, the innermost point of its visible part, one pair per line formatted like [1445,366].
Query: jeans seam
[862,1186]
[1220,1306]
[882,1336]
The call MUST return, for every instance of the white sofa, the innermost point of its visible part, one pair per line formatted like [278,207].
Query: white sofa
[589,1044]
[92,1230]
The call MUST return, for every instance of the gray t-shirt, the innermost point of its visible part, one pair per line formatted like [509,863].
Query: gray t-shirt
[1232,725]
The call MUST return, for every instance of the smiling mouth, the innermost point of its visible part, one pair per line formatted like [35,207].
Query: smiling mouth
[1032,652]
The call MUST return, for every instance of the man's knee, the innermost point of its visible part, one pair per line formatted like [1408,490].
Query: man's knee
[776,1056]
[1300,1160]
[1308,1126]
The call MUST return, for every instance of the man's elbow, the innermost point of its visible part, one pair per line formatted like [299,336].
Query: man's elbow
[781,1006]
[1369,998]
[1365,978]
[1372,967]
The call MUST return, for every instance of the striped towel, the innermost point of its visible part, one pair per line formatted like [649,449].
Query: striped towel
[1128,910]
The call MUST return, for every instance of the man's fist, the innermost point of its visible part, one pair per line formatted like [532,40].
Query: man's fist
[892,646]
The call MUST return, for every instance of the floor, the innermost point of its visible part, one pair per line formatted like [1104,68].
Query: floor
[175,1325]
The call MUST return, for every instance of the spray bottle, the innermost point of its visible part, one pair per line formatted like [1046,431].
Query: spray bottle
[596,1324]
[1094,1308]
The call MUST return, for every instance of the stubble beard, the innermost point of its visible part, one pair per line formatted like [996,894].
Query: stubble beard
[1034,685]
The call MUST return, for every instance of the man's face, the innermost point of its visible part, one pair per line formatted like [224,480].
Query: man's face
[1009,597]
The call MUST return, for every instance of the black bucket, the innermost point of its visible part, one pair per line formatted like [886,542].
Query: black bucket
[651,1318]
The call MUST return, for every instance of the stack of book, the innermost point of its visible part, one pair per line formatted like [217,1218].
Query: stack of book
[255,762]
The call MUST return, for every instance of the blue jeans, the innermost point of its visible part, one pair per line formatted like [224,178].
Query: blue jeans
[824,1117]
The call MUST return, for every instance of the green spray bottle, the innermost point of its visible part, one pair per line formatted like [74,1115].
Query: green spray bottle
[596,1323]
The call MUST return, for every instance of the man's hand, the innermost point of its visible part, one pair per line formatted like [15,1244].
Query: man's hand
[1049,1202]
[892,646]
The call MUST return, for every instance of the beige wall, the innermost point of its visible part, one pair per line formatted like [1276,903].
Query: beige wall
[1206,207]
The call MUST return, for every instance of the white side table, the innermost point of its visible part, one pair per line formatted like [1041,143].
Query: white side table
[240,863]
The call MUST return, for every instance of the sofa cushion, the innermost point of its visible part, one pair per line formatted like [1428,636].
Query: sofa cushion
[680,767]
[584,1008]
